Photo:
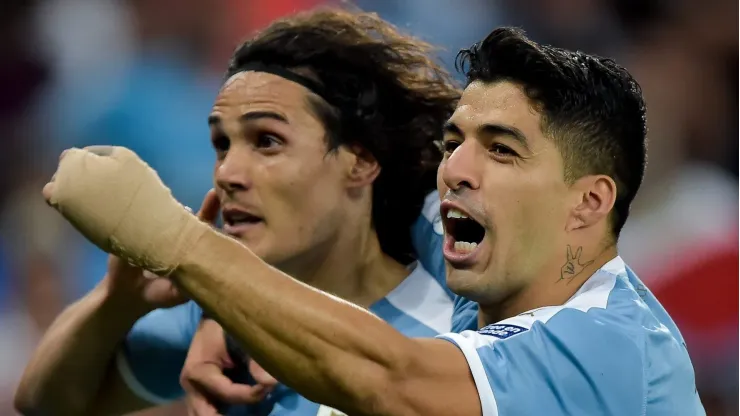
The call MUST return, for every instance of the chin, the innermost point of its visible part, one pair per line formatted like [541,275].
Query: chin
[476,286]
[465,283]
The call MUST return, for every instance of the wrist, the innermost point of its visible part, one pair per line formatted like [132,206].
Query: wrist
[211,267]
[208,251]
[176,249]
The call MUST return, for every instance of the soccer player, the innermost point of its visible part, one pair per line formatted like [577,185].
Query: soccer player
[324,134]
[544,154]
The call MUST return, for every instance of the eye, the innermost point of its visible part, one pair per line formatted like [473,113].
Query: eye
[221,144]
[267,141]
[500,150]
[449,146]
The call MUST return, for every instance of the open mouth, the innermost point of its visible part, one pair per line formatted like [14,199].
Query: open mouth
[465,232]
[236,221]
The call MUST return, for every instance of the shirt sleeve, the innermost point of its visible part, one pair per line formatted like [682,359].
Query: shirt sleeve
[154,352]
[571,365]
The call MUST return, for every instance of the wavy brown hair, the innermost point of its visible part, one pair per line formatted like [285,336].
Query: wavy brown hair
[381,91]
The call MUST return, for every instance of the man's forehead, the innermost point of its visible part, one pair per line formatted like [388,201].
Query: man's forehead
[494,102]
[246,90]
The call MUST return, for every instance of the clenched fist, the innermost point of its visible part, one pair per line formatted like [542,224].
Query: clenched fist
[121,205]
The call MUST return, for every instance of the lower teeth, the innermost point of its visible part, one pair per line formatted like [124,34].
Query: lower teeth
[465,247]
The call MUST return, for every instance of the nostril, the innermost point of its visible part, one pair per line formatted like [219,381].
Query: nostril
[231,186]
[465,184]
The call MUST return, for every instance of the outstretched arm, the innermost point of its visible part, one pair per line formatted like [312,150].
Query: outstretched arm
[329,350]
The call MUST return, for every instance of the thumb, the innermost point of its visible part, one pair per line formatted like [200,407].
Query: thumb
[48,191]
[209,208]
[260,375]
[213,383]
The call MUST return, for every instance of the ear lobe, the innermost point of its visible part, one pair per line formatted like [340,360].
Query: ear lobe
[597,196]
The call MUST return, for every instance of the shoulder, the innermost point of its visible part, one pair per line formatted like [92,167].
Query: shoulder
[608,350]
[570,361]
[578,358]
[572,333]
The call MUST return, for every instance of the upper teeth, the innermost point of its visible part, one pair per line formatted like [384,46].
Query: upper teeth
[453,213]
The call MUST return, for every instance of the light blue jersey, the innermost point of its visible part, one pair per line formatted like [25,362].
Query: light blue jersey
[421,306]
[610,350]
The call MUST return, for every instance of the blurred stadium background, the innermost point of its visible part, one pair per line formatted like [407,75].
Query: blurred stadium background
[143,74]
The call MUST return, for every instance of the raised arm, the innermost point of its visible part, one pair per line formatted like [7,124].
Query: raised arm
[76,357]
[86,364]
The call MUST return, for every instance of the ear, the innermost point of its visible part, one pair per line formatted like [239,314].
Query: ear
[595,195]
[363,168]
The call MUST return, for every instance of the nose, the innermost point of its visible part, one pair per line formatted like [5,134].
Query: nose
[233,171]
[462,167]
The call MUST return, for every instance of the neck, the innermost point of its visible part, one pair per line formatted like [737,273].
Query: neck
[351,266]
[558,282]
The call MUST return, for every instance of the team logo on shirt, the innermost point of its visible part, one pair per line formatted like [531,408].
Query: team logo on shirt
[501,331]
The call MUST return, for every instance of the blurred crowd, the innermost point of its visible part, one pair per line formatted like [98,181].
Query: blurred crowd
[143,74]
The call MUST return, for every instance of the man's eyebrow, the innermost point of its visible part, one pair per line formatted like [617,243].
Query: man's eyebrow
[214,120]
[492,129]
[450,127]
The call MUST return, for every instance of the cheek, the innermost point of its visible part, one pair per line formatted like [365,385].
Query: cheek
[307,191]
[520,203]
[441,186]
[216,165]
[541,209]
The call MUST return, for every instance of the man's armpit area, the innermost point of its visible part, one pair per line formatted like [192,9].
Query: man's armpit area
[437,381]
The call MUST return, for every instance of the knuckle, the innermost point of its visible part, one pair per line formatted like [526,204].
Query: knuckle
[100,150]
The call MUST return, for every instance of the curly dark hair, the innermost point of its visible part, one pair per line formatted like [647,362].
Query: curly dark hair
[591,107]
[381,91]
